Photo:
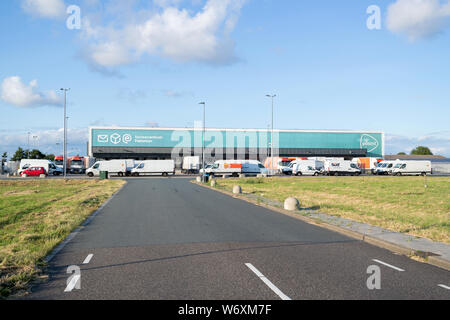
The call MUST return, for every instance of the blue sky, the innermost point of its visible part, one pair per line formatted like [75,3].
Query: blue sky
[150,62]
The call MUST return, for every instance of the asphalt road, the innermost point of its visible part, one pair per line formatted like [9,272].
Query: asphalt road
[171,239]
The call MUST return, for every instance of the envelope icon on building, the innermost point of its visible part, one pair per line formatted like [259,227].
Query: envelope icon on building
[103,138]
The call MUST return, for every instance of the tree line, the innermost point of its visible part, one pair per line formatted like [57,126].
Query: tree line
[28,154]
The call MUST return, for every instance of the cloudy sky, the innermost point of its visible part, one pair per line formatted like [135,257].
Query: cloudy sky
[149,63]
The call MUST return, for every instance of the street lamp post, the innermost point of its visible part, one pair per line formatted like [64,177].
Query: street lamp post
[203,140]
[65,132]
[28,146]
[271,135]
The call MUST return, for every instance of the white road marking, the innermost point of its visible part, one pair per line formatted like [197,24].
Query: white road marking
[268,283]
[388,265]
[72,283]
[443,286]
[88,259]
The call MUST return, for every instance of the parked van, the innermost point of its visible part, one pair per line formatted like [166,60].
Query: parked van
[113,167]
[307,167]
[164,167]
[280,164]
[385,167]
[343,167]
[235,167]
[48,166]
[411,168]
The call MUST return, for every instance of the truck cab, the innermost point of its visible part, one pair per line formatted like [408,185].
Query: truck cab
[76,165]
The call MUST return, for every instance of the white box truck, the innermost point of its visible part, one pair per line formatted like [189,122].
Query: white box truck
[48,165]
[191,165]
[412,168]
[113,167]
[147,167]
[341,167]
[307,167]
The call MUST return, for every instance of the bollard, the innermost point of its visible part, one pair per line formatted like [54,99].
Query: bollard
[42,176]
[224,176]
[213,183]
[199,179]
[291,204]
[237,190]
[242,175]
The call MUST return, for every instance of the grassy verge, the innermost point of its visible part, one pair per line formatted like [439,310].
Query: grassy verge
[399,204]
[35,216]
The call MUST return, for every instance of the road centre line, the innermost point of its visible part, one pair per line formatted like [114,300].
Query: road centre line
[268,283]
[388,265]
[88,259]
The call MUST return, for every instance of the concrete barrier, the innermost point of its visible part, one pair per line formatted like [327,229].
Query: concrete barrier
[242,175]
[237,190]
[291,204]
[42,176]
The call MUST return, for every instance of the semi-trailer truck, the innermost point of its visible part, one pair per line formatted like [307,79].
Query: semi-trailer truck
[76,165]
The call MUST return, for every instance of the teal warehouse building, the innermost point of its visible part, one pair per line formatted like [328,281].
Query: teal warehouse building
[226,144]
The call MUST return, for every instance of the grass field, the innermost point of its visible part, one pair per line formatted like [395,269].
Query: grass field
[35,216]
[399,204]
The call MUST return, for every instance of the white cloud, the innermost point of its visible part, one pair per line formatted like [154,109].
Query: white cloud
[170,32]
[16,93]
[438,142]
[51,9]
[418,18]
[46,141]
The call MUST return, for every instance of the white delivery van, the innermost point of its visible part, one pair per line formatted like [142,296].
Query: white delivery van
[48,165]
[412,168]
[235,167]
[307,167]
[191,165]
[385,167]
[113,167]
[342,167]
[147,167]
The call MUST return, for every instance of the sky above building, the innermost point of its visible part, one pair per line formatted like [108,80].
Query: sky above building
[353,65]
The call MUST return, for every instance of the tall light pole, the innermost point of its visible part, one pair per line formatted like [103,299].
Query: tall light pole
[65,132]
[28,146]
[271,135]
[203,140]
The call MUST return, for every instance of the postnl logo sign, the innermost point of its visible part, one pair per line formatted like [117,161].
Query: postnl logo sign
[368,142]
